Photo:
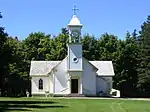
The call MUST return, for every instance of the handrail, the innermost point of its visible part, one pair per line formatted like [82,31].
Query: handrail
[64,89]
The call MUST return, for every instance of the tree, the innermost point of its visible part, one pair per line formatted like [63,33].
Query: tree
[130,57]
[59,48]
[126,76]
[54,48]
[31,45]
[3,37]
[90,47]
[3,60]
[31,50]
[65,31]
[144,59]
[16,72]
[107,46]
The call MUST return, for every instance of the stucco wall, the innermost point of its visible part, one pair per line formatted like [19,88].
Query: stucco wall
[88,79]
[35,85]
[103,84]
[61,78]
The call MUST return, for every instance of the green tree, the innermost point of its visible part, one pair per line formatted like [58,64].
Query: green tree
[54,48]
[144,59]
[65,31]
[45,48]
[59,49]
[31,50]
[126,64]
[3,59]
[31,45]
[107,46]
[15,69]
[90,47]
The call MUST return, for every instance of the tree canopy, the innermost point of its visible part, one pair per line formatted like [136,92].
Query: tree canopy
[130,57]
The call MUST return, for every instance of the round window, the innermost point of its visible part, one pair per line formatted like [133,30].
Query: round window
[75,60]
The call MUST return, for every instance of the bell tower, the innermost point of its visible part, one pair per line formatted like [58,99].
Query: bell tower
[75,46]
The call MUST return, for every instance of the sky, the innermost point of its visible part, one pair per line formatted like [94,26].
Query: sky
[22,17]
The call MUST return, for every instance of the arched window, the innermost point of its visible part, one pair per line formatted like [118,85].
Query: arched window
[41,84]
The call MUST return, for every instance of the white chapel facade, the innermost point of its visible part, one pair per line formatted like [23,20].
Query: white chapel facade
[74,74]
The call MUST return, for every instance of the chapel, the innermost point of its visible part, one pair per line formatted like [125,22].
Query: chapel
[74,74]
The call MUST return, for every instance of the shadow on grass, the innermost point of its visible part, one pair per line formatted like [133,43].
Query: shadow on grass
[6,110]
[26,105]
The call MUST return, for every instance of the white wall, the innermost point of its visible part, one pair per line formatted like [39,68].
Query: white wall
[75,50]
[103,84]
[35,85]
[110,79]
[61,78]
[51,83]
[88,79]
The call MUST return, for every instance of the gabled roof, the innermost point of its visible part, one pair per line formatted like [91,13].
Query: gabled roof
[105,68]
[42,67]
[39,68]
[91,64]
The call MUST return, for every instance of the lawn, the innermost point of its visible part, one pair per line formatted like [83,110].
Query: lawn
[72,105]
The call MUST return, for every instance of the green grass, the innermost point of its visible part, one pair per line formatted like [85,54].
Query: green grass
[72,105]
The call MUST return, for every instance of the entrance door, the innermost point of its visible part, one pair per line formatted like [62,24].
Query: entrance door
[74,85]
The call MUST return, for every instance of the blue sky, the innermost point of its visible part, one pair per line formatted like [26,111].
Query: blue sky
[21,17]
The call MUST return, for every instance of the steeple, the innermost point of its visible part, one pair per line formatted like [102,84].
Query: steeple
[74,27]
[75,46]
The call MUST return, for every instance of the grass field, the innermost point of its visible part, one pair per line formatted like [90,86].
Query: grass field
[72,105]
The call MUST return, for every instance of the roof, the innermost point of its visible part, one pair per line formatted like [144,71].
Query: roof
[74,21]
[105,68]
[38,68]
[42,67]
[91,64]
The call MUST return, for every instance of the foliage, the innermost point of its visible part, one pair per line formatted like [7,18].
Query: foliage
[90,47]
[3,59]
[144,59]
[130,58]
[126,64]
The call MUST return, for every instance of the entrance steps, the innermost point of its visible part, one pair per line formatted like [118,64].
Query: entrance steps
[74,95]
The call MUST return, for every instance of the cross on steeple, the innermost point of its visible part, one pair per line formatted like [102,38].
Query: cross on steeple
[1,15]
[74,9]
